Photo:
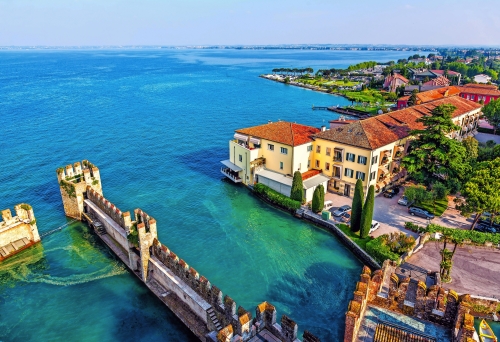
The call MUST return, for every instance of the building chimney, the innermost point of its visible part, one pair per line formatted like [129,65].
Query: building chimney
[323,128]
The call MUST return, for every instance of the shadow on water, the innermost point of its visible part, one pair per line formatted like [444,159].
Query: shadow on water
[147,319]
[206,161]
[320,294]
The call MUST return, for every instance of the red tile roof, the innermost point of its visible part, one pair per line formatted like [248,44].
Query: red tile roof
[438,81]
[450,72]
[480,89]
[384,129]
[310,173]
[283,132]
[439,93]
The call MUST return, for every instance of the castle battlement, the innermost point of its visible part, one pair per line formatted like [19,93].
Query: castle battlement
[73,182]
[17,232]
[136,243]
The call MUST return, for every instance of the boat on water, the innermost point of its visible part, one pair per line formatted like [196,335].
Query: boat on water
[485,333]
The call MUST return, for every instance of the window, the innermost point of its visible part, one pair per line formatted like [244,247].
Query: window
[308,163]
[318,149]
[374,160]
[317,164]
[240,158]
[337,155]
[327,166]
[337,171]
[309,148]
[281,165]
[328,151]
[373,175]
[350,157]
[270,147]
[284,150]
[349,173]
[360,175]
[361,160]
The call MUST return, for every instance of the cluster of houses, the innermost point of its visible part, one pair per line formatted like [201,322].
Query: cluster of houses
[347,150]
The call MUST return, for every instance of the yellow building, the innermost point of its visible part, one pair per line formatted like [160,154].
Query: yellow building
[270,154]
[371,149]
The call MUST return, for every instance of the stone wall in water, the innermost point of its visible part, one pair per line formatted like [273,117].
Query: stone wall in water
[158,266]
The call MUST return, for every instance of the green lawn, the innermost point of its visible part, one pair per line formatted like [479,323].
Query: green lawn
[354,236]
[326,83]
[368,109]
[441,206]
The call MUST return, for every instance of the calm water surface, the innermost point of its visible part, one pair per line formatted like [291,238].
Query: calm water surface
[157,123]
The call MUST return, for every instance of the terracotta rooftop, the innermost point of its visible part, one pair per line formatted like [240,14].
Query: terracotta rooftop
[439,93]
[440,81]
[441,72]
[480,89]
[384,129]
[310,173]
[283,132]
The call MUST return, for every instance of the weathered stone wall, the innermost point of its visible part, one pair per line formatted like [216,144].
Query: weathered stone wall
[331,227]
[14,228]
[73,181]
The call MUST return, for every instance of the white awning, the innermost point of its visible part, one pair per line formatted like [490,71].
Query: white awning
[315,180]
[230,165]
[241,136]
[277,177]
[255,141]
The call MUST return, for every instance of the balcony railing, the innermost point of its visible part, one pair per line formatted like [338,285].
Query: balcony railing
[230,174]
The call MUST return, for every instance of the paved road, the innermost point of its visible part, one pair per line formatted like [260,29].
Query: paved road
[393,216]
[476,270]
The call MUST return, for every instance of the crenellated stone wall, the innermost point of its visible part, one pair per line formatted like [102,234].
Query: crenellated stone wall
[411,297]
[159,267]
[73,181]
[17,232]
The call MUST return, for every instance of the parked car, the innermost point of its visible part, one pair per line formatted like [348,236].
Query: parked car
[486,228]
[328,205]
[341,210]
[374,227]
[345,217]
[403,201]
[414,211]
[391,192]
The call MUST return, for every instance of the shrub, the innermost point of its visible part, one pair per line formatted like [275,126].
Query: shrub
[357,206]
[316,201]
[380,251]
[275,197]
[474,236]
[367,213]
[297,192]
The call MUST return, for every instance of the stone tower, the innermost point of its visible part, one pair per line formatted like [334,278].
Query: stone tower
[19,232]
[73,182]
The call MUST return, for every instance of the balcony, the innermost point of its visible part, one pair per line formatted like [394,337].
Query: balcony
[231,174]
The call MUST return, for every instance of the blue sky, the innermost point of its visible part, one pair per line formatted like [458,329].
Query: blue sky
[196,22]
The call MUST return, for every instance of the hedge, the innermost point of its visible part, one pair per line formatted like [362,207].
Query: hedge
[380,251]
[275,197]
[477,238]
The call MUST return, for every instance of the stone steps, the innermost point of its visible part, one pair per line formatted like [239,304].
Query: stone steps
[214,319]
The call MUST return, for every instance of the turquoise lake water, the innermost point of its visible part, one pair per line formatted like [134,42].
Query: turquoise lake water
[157,124]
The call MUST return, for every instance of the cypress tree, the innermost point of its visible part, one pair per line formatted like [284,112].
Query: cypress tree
[367,216]
[322,193]
[357,206]
[316,202]
[297,192]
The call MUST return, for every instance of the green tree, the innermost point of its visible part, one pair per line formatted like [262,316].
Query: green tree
[482,190]
[413,98]
[357,206]
[471,147]
[316,205]
[432,154]
[297,192]
[417,193]
[322,194]
[492,113]
[367,213]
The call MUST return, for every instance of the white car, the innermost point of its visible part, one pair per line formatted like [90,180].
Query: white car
[374,227]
